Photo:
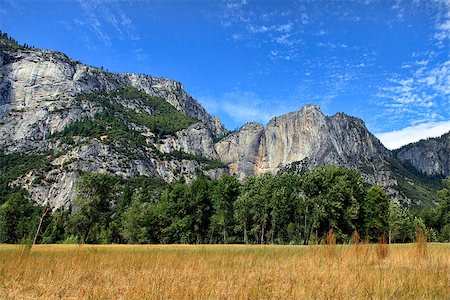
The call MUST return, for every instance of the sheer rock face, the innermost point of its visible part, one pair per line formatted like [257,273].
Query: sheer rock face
[195,140]
[57,187]
[304,134]
[430,157]
[37,85]
[38,90]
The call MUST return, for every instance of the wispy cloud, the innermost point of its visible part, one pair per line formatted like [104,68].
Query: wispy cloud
[276,28]
[443,24]
[399,138]
[245,106]
[422,93]
[424,96]
[332,64]
[106,18]
[140,54]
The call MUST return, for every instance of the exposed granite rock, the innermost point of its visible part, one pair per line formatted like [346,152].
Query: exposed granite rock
[36,84]
[196,140]
[174,93]
[304,134]
[430,156]
[56,187]
[38,91]
[38,97]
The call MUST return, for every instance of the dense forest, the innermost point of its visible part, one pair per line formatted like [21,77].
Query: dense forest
[282,209]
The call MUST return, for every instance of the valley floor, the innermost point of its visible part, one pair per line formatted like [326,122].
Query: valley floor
[225,272]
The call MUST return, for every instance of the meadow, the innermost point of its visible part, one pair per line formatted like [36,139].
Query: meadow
[403,271]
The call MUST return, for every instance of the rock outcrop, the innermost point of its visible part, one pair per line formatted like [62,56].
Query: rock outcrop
[195,140]
[36,84]
[43,93]
[430,157]
[39,97]
[306,134]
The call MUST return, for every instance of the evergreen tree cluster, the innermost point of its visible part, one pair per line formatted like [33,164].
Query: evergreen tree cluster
[282,209]
[164,119]
[8,43]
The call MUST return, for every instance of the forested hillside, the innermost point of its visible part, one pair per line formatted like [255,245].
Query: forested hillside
[91,156]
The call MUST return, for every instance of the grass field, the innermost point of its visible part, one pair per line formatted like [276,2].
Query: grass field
[224,272]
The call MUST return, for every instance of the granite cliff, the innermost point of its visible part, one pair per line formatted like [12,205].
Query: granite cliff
[305,135]
[75,118]
[46,97]
[430,157]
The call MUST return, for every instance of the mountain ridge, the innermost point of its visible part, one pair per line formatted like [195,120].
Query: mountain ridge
[91,120]
[429,156]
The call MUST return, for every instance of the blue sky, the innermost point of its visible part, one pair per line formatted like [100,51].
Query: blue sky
[386,62]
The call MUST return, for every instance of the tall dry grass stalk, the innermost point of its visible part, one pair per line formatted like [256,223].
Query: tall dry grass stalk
[330,238]
[221,272]
[329,241]
[382,249]
[355,242]
[421,243]
[356,238]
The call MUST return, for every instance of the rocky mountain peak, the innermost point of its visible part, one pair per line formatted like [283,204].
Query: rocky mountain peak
[35,84]
[304,134]
[430,157]
[251,126]
[77,118]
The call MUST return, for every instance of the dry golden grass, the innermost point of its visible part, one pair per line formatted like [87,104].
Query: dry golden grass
[224,272]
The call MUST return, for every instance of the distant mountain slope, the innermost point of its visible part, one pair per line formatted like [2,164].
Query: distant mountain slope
[60,118]
[36,84]
[430,157]
[304,134]
[306,138]
[72,118]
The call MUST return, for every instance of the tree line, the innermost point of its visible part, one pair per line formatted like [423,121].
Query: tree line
[281,209]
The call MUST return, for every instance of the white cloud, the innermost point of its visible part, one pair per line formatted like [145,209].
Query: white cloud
[140,55]
[236,4]
[98,15]
[258,29]
[242,114]
[398,138]
[443,25]
[245,106]
[443,30]
[283,28]
[421,96]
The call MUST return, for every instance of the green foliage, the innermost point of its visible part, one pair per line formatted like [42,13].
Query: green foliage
[10,44]
[136,221]
[415,185]
[57,229]
[102,124]
[95,195]
[160,117]
[12,167]
[224,195]
[18,218]
[396,220]
[337,194]
[376,213]
[116,123]
[443,212]
[282,209]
